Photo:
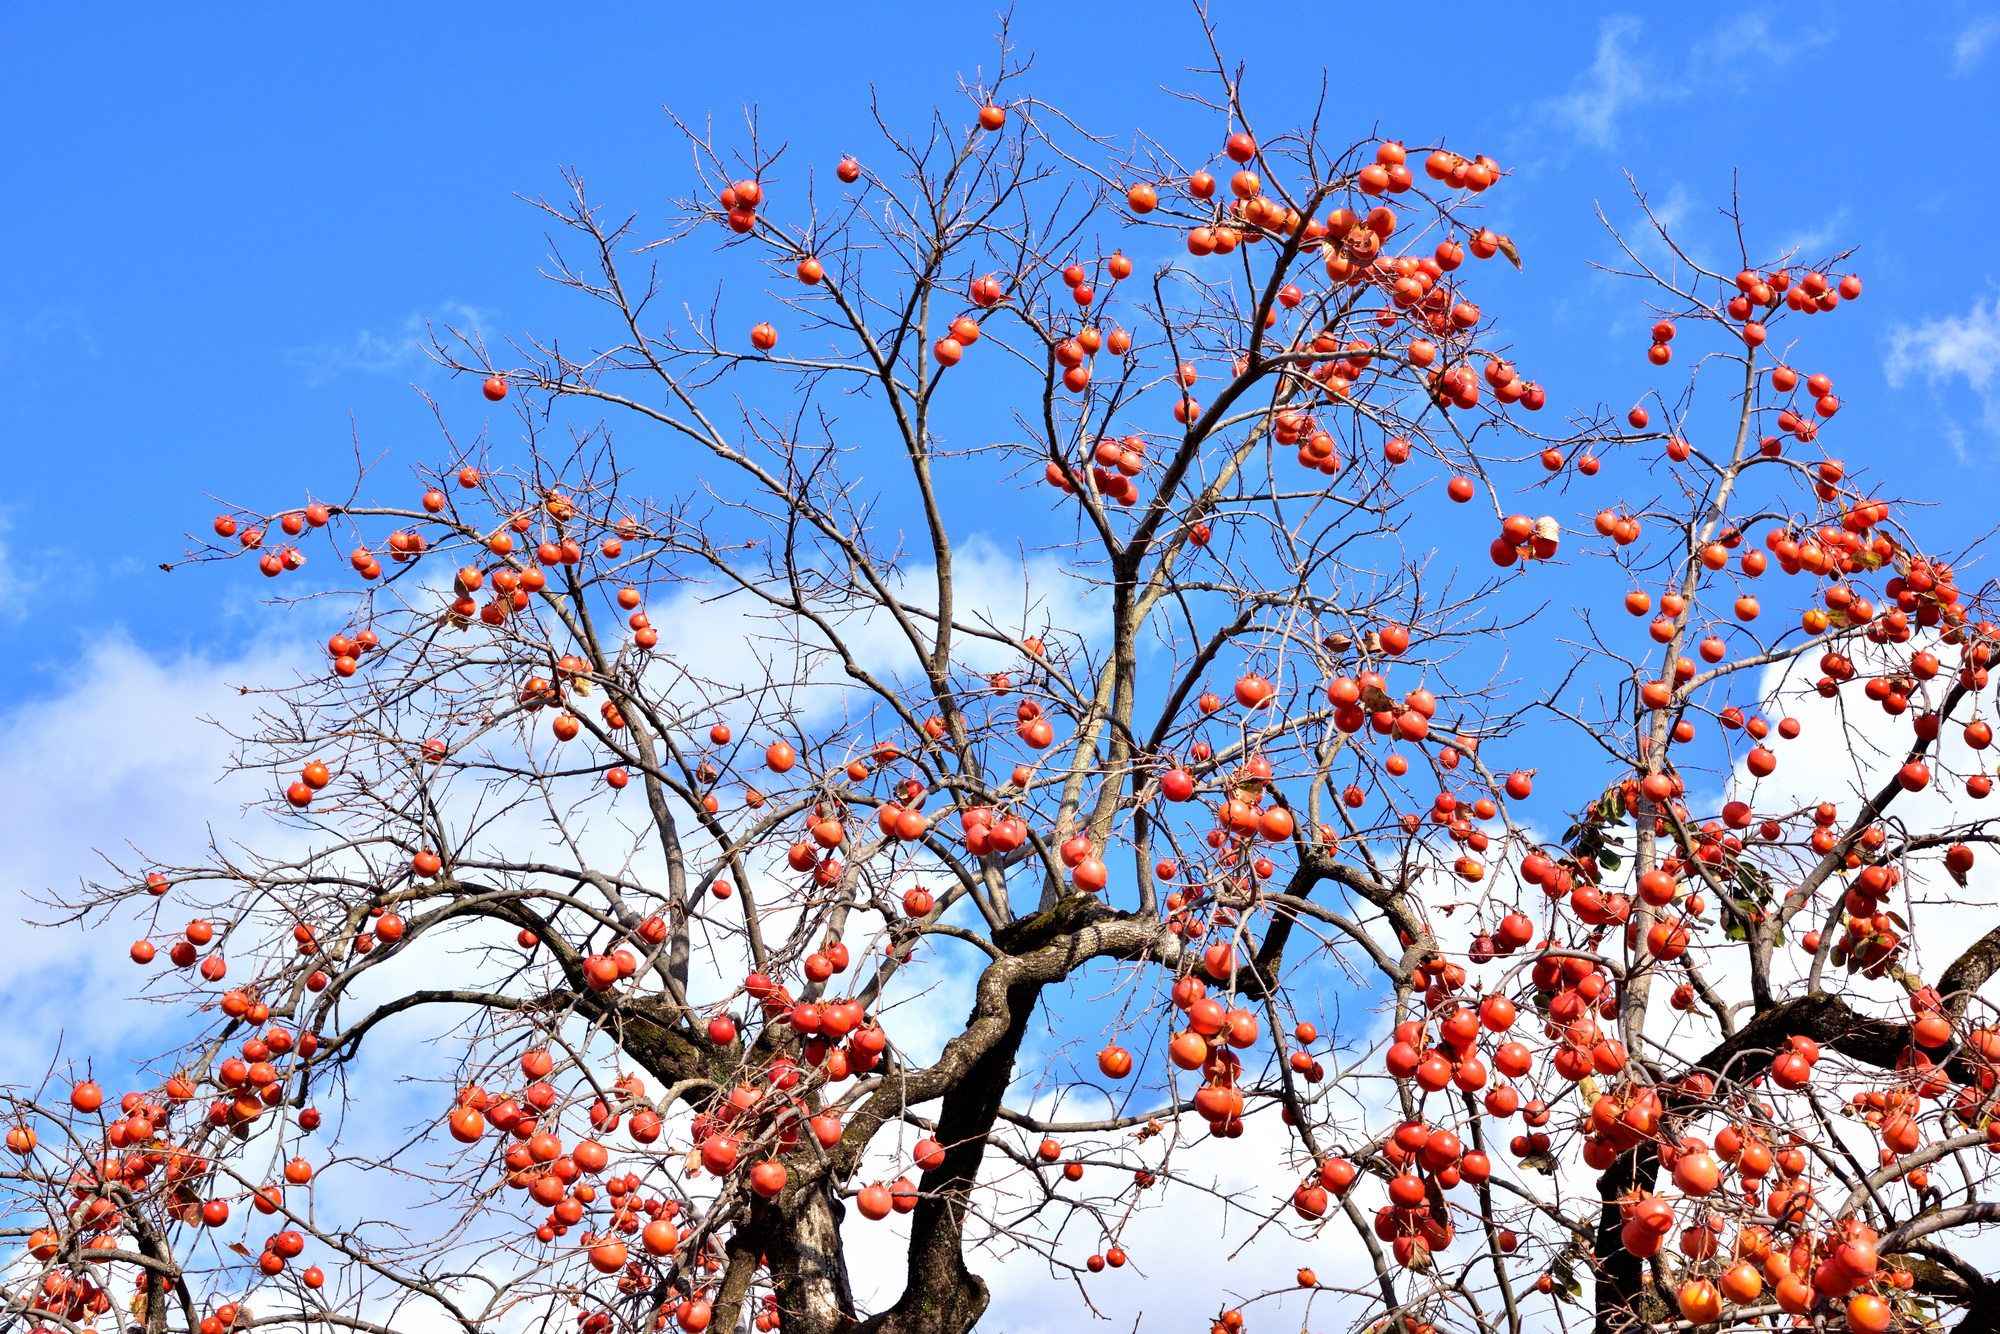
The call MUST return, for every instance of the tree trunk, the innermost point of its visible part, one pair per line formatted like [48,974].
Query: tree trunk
[1982,1313]
[1620,1276]
[942,1296]
[809,1265]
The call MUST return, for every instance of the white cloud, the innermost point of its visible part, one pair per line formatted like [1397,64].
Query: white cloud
[1180,1231]
[1845,752]
[1009,591]
[119,753]
[1970,46]
[372,353]
[119,759]
[1952,347]
[122,764]
[1614,83]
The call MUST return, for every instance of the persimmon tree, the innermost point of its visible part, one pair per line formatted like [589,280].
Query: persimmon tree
[661,902]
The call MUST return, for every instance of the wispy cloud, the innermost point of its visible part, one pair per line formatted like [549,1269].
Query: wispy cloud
[1627,73]
[1949,348]
[1748,31]
[1720,57]
[1615,82]
[372,353]
[1673,210]
[1971,45]
[1813,241]
[44,326]
[1674,214]
[15,587]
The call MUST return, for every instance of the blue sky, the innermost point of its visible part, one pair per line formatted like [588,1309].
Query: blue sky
[230,230]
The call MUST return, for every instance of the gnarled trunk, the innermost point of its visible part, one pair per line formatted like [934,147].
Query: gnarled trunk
[808,1263]
[942,1296]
